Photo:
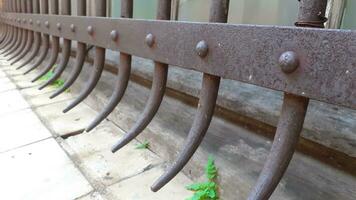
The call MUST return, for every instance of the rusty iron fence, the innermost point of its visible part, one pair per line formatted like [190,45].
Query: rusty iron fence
[305,62]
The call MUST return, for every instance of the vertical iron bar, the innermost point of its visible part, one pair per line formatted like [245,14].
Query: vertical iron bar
[21,32]
[99,61]
[294,108]
[207,100]
[37,38]
[157,90]
[123,75]
[80,55]
[55,45]
[65,10]
[24,37]
[15,32]
[29,40]
[45,40]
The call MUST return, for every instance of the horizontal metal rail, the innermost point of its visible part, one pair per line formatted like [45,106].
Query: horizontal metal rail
[325,59]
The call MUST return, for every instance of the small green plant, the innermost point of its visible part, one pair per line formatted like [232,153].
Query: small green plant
[206,190]
[57,83]
[143,145]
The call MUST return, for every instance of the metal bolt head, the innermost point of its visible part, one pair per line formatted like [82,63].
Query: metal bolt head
[18,20]
[24,20]
[47,24]
[202,48]
[90,30]
[114,35]
[150,39]
[72,27]
[38,23]
[288,62]
[30,21]
[59,26]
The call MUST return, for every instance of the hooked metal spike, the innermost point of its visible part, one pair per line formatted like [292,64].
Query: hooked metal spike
[22,33]
[14,43]
[285,141]
[99,61]
[52,60]
[61,66]
[11,40]
[65,10]
[80,58]
[36,48]
[18,47]
[205,111]
[26,49]
[29,40]
[42,56]
[123,77]
[151,108]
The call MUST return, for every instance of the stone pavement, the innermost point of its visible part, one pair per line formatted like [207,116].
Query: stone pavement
[45,154]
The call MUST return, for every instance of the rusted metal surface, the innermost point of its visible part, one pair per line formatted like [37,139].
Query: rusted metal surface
[45,39]
[99,61]
[207,100]
[65,10]
[80,57]
[305,62]
[246,53]
[55,44]
[124,71]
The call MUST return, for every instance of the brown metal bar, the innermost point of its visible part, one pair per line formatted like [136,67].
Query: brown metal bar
[16,34]
[54,46]
[207,100]
[294,108]
[158,85]
[287,135]
[231,49]
[6,27]
[29,40]
[24,37]
[99,60]
[123,74]
[37,38]
[65,10]
[80,57]
[45,39]
[22,33]
[13,29]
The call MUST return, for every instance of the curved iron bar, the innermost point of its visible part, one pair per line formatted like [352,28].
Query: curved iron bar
[29,41]
[285,141]
[205,111]
[12,8]
[291,120]
[55,46]
[65,10]
[123,75]
[80,58]
[42,56]
[15,31]
[99,61]
[22,33]
[119,90]
[45,42]
[52,60]
[5,35]
[151,108]
[207,100]
[36,48]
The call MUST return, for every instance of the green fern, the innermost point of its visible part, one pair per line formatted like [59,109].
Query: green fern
[143,145]
[206,190]
[57,83]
